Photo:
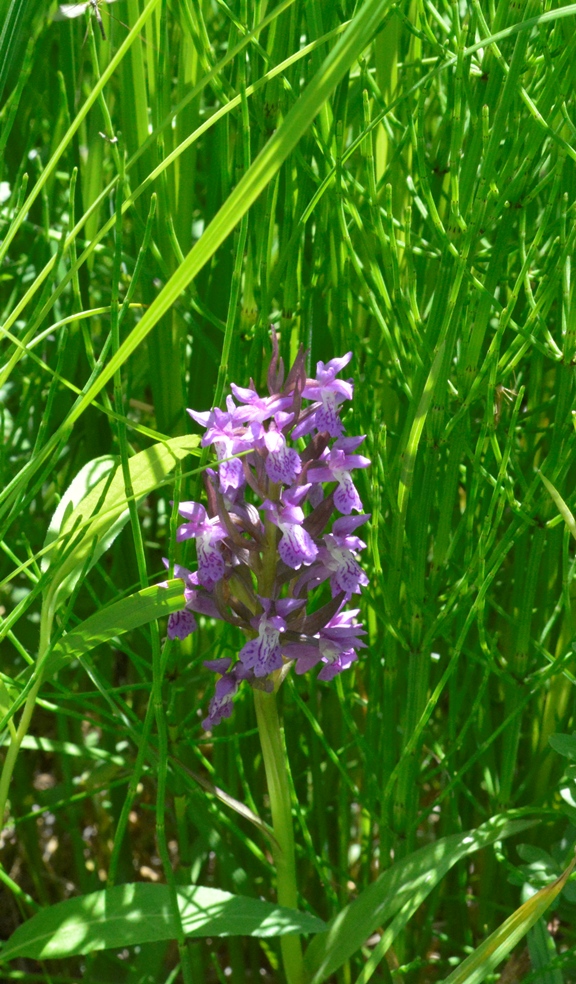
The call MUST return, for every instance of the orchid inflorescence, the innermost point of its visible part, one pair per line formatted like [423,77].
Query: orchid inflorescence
[261,541]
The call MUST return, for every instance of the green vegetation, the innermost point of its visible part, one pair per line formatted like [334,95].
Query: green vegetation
[395,179]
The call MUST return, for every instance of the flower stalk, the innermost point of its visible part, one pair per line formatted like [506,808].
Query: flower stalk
[275,765]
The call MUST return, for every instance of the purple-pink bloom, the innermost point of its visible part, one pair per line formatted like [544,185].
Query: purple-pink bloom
[263,655]
[225,430]
[258,408]
[296,546]
[207,533]
[181,624]
[336,466]
[225,690]
[338,642]
[283,463]
[330,393]
[338,557]
[235,551]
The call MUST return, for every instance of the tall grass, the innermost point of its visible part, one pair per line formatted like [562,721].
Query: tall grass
[394,179]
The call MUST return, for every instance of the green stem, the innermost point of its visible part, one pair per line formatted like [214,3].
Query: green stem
[46,619]
[275,764]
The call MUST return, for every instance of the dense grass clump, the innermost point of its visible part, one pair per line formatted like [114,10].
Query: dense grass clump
[398,180]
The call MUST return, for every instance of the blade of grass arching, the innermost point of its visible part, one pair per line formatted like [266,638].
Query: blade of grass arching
[95,240]
[351,44]
[492,951]
[563,509]
[81,115]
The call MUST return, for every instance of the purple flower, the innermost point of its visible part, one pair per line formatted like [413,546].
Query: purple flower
[225,430]
[330,392]
[207,533]
[263,655]
[338,556]
[258,408]
[338,642]
[346,573]
[181,624]
[237,553]
[283,463]
[336,467]
[225,690]
[296,546]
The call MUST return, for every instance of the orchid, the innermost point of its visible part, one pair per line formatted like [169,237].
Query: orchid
[265,540]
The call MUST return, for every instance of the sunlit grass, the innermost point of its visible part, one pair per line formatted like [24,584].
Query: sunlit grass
[417,207]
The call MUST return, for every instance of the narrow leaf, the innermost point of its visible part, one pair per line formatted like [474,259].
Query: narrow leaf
[130,613]
[492,951]
[130,915]
[409,881]
[561,505]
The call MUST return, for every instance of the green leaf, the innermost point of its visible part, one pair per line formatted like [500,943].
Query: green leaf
[130,613]
[94,508]
[564,745]
[82,483]
[498,945]
[408,881]
[140,913]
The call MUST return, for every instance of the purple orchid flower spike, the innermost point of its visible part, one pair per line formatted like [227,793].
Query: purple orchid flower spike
[244,565]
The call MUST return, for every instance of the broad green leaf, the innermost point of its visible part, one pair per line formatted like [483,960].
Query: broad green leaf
[94,513]
[406,883]
[130,613]
[140,913]
[564,745]
[82,483]
[493,950]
